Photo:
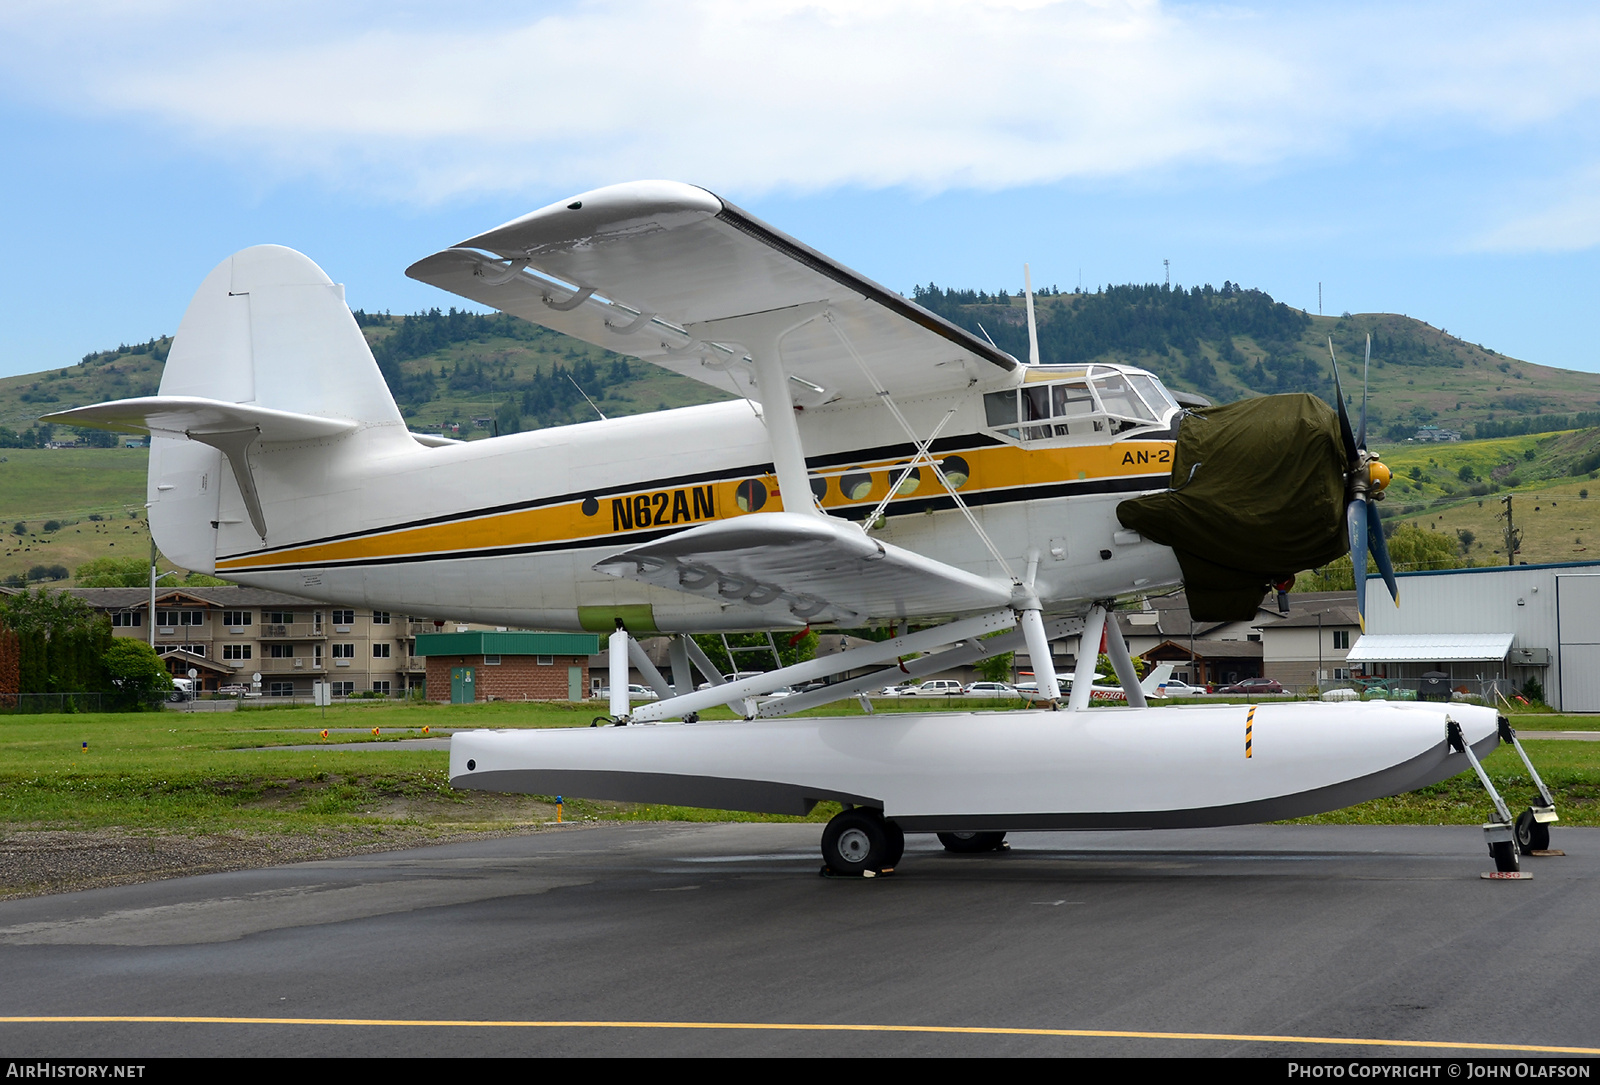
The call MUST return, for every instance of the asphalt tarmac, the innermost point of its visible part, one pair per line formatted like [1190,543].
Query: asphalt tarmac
[671,940]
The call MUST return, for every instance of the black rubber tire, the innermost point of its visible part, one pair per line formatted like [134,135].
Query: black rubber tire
[897,844]
[971,843]
[1505,856]
[1531,835]
[855,842]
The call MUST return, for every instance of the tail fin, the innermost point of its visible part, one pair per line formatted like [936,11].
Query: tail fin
[1156,679]
[268,327]
[267,370]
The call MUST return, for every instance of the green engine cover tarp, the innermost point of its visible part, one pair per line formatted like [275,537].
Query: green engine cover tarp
[1257,495]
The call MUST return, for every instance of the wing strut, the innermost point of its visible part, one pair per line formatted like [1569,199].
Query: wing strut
[763,334]
[1117,649]
[880,652]
[1088,654]
[960,654]
[922,448]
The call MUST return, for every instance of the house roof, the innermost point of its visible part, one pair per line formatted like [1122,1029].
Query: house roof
[1177,650]
[1328,617]
[507,644]
[229,595]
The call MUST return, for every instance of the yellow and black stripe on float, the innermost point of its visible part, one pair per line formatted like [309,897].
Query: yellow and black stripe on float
[986,473]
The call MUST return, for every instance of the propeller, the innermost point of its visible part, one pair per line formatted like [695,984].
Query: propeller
[1364,485]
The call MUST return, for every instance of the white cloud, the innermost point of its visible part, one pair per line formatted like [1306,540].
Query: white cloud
[932,95]
[1566,218]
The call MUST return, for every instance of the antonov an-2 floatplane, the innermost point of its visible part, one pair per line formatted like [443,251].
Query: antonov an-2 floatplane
[879,466]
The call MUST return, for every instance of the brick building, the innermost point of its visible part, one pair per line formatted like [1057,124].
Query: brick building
[470,666]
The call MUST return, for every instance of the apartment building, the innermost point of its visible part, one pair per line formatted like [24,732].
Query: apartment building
[229,635]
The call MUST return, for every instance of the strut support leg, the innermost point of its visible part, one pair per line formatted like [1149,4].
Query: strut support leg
[1117,649]
[1044,668]
[1088,654]
[1498,834]
[652,677]
[678,656]
[1533,825]
[619,672]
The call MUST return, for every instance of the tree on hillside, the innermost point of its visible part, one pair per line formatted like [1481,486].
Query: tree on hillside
[114,573]
[1410,549]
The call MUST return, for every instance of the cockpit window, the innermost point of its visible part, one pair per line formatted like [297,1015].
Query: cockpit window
[1118,396]
[1153,392]
[1080,404]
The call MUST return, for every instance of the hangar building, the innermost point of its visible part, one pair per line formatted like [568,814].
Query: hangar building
[1490,627]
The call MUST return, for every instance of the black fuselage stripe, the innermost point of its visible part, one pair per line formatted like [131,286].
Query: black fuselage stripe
[1135,484]
[965,443]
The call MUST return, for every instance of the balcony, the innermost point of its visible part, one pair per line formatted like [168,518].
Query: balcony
[294,631]
[417,664]
[298,665]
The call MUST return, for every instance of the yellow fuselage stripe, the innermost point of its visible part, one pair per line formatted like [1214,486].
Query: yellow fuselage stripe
[992,468]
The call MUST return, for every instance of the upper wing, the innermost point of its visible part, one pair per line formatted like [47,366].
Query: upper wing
[646,268]
[806,569]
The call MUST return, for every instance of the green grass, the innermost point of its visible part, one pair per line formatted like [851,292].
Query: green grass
[208,772]
[1570,769]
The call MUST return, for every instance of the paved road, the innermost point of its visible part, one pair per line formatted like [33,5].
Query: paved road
[1299,931]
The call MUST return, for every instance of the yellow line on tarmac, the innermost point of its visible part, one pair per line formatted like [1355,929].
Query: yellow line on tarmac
[759,1026]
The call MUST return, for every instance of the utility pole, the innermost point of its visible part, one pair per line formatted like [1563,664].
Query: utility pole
[1513,536]
[1319,299]
[1168,265]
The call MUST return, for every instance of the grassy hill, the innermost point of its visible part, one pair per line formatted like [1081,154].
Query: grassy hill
[95,495]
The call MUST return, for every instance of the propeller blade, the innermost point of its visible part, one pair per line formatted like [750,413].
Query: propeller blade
[1380,551]
[1355,515]
[1344,418]
[1366,371]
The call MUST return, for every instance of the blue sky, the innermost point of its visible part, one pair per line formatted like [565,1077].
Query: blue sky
[1437,160]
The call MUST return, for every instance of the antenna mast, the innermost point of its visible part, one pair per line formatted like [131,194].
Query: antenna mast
[1033,330]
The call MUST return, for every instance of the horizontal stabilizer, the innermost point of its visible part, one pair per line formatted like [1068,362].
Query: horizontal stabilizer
[231,428]
[814,568]
[195,416]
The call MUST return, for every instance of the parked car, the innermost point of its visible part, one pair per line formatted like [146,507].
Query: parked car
[939,687]
[1176,687]
[992,690]
[635,693]
[1252,686]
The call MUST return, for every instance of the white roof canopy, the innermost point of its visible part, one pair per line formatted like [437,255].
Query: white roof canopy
[1430,647]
